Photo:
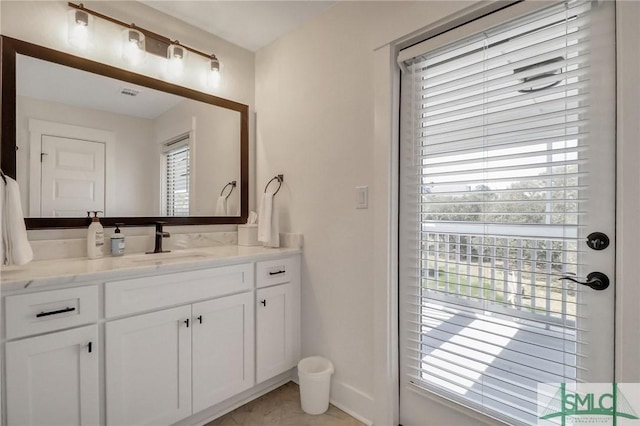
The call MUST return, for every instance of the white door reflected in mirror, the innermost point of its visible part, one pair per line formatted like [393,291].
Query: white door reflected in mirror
[72,176]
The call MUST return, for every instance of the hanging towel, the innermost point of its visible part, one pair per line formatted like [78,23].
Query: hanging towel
[268,232]
[15,245]
[221,206]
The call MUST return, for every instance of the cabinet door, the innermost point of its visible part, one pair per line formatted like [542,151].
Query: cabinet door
[53,379]
[276,336]
[223,352]
[148,365]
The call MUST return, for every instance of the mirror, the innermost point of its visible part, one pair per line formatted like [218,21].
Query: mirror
[79,135]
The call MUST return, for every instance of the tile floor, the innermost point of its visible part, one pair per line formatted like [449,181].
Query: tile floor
[281,407]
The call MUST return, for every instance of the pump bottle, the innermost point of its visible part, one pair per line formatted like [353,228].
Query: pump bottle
[95,237]
[117,241]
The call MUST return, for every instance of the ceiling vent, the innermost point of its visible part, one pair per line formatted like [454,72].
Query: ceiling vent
[129,92]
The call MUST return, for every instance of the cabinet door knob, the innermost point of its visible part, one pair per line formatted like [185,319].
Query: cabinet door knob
[264,302]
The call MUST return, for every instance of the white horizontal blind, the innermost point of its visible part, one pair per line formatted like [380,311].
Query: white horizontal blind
[177,173]
[495,133]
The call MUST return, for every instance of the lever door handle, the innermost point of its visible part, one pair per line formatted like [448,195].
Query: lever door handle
[595,280]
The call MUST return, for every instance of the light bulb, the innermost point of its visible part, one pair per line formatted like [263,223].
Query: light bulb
[176,59]
[213,77]
[79,26]
[133,46]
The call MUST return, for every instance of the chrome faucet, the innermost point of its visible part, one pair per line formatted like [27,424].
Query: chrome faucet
[160,234]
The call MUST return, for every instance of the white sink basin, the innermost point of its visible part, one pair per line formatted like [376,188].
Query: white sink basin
[153,258]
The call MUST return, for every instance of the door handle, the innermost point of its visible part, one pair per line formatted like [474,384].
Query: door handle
[595,280]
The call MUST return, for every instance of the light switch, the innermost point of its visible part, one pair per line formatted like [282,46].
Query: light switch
[362,197]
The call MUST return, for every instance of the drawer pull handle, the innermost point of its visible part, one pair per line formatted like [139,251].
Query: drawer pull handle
[60,311]
[199,318]
[187,322]
[277,272]
[264,302]
[90,346]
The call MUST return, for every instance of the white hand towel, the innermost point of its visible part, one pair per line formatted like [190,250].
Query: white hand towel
[16,247]
[221,206]
[268,232]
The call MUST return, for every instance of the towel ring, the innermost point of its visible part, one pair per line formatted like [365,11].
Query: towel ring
[233,185]
[279,178]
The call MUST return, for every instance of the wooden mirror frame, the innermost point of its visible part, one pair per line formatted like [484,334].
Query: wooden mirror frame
[11,47]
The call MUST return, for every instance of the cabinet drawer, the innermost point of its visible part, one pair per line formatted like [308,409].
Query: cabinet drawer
[143,294]
[273,272]
[46,311]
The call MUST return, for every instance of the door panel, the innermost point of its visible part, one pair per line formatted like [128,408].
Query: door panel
[148,364]
[223,351]
[53,379]
[73,176]
[275,349]
[507,164]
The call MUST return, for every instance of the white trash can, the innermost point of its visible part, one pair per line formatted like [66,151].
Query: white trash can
[315,383]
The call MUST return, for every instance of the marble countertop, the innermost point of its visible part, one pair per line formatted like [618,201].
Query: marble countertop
[49,273]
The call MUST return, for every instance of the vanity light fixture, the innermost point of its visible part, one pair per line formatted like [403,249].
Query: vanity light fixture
[176,59]
[213,77]
[136,42]
[133,49]
[79,27]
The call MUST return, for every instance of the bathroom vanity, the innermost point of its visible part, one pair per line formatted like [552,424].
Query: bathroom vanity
[179,337]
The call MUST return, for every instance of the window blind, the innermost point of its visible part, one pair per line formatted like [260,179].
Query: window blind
[494,172]
[177,172]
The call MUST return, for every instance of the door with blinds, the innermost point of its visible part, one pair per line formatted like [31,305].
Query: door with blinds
[507,214]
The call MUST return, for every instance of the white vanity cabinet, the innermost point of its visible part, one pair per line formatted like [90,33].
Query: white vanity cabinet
[277,317]
[52,379]
[164,366]
[179,344]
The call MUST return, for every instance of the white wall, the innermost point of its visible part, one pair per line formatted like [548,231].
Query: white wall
[316,123]
[133,188]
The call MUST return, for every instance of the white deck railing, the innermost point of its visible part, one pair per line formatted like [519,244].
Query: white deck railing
[509,270]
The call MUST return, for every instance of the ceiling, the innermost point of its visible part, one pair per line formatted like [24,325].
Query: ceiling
[41,80]
[249,24]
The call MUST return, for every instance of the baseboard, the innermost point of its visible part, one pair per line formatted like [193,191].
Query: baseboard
[352,401]
[355,403]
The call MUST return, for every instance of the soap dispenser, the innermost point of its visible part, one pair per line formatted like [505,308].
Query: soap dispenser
[95,237]
[117,241]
